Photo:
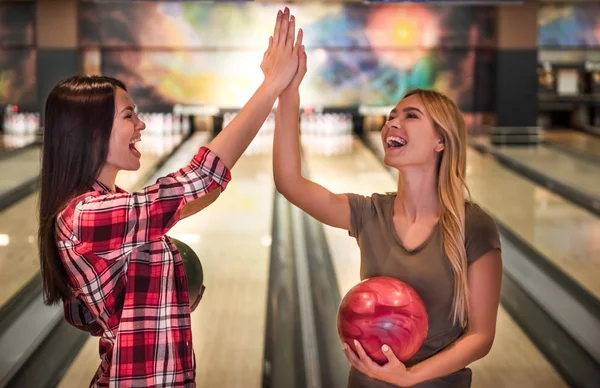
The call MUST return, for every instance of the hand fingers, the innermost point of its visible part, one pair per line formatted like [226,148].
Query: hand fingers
[283,30]
[268,50]
[291,32]
[298,41]
[364,357]
[303,58]
[354,360]
[277,27]
[389,354]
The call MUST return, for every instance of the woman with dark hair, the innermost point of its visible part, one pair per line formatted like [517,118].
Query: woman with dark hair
[104,252]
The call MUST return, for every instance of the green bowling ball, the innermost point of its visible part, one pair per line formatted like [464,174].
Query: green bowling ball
[193,271]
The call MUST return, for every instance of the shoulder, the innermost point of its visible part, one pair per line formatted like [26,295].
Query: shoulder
[79,200]
[365,209]
[65,218]
[373,202]
[375,197]
[481,232]
[476,217]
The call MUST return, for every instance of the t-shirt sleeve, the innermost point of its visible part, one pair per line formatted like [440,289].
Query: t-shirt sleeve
[481,233]
[361,209]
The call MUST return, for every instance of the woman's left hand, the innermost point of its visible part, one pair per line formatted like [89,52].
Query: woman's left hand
[394,371]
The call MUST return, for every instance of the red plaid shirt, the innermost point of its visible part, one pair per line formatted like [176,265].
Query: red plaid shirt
[128,279]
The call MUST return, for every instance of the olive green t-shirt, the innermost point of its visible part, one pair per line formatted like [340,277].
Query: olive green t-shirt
[426,268]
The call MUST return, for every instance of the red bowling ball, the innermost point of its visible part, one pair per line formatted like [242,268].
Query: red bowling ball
[383,310]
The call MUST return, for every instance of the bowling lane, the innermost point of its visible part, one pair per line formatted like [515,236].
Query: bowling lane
[13,142]
[19,261]
[558,166]
[562,232]
[232,238]
[19,168]
[575,142]
[513,361]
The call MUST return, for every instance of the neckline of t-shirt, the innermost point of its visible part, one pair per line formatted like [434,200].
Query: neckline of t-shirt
[392,228]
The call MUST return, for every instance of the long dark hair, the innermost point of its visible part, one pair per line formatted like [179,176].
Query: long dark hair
[78,121]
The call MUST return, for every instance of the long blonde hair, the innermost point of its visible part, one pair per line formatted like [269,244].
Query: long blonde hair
[452,189]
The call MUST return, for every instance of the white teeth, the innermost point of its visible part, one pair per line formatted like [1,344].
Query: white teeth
[135,140]
[395,139]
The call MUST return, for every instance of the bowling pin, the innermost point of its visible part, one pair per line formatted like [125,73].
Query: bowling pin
[168,123]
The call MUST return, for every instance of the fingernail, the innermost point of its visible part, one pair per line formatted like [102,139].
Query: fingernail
[279,13]
[287,9]
[292,18]
[385,348]
[345,347]
[355,342]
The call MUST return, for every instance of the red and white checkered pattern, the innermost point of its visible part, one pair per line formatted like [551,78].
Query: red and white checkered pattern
[129,282]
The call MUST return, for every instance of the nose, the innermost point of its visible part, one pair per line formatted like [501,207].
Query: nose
[394,123]
[140,125]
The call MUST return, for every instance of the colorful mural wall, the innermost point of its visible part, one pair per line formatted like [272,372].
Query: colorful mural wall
[196,53]
[569,26]
[569,33]
[18,55]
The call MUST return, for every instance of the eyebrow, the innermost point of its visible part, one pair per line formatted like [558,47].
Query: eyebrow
[410,108]
[131,108]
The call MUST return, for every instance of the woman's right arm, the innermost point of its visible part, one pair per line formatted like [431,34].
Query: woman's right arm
[121,221]
[327,207]
[116,223]
[279,65]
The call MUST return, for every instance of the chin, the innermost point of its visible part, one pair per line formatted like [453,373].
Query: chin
[390,162]
[397,162]
[134,167]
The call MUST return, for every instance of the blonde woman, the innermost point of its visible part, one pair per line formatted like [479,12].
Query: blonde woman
[426,234]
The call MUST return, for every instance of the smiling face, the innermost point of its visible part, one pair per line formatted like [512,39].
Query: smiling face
[409,136]
[125,133]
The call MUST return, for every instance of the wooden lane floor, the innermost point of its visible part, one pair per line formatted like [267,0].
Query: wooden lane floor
[232,238]
[562,232]
[559,166]
[19,261]
[574,142]
[513,361]
[16,169]
[13,142]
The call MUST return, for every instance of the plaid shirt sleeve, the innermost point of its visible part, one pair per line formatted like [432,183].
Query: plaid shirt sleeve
[77,315]
[112,225]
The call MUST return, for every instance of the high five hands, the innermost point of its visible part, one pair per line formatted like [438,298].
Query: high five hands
[284,61]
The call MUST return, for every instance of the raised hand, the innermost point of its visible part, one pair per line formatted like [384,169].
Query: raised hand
[294,85]
[280,61]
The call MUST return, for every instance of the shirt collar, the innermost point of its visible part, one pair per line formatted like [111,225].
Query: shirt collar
[101,187]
